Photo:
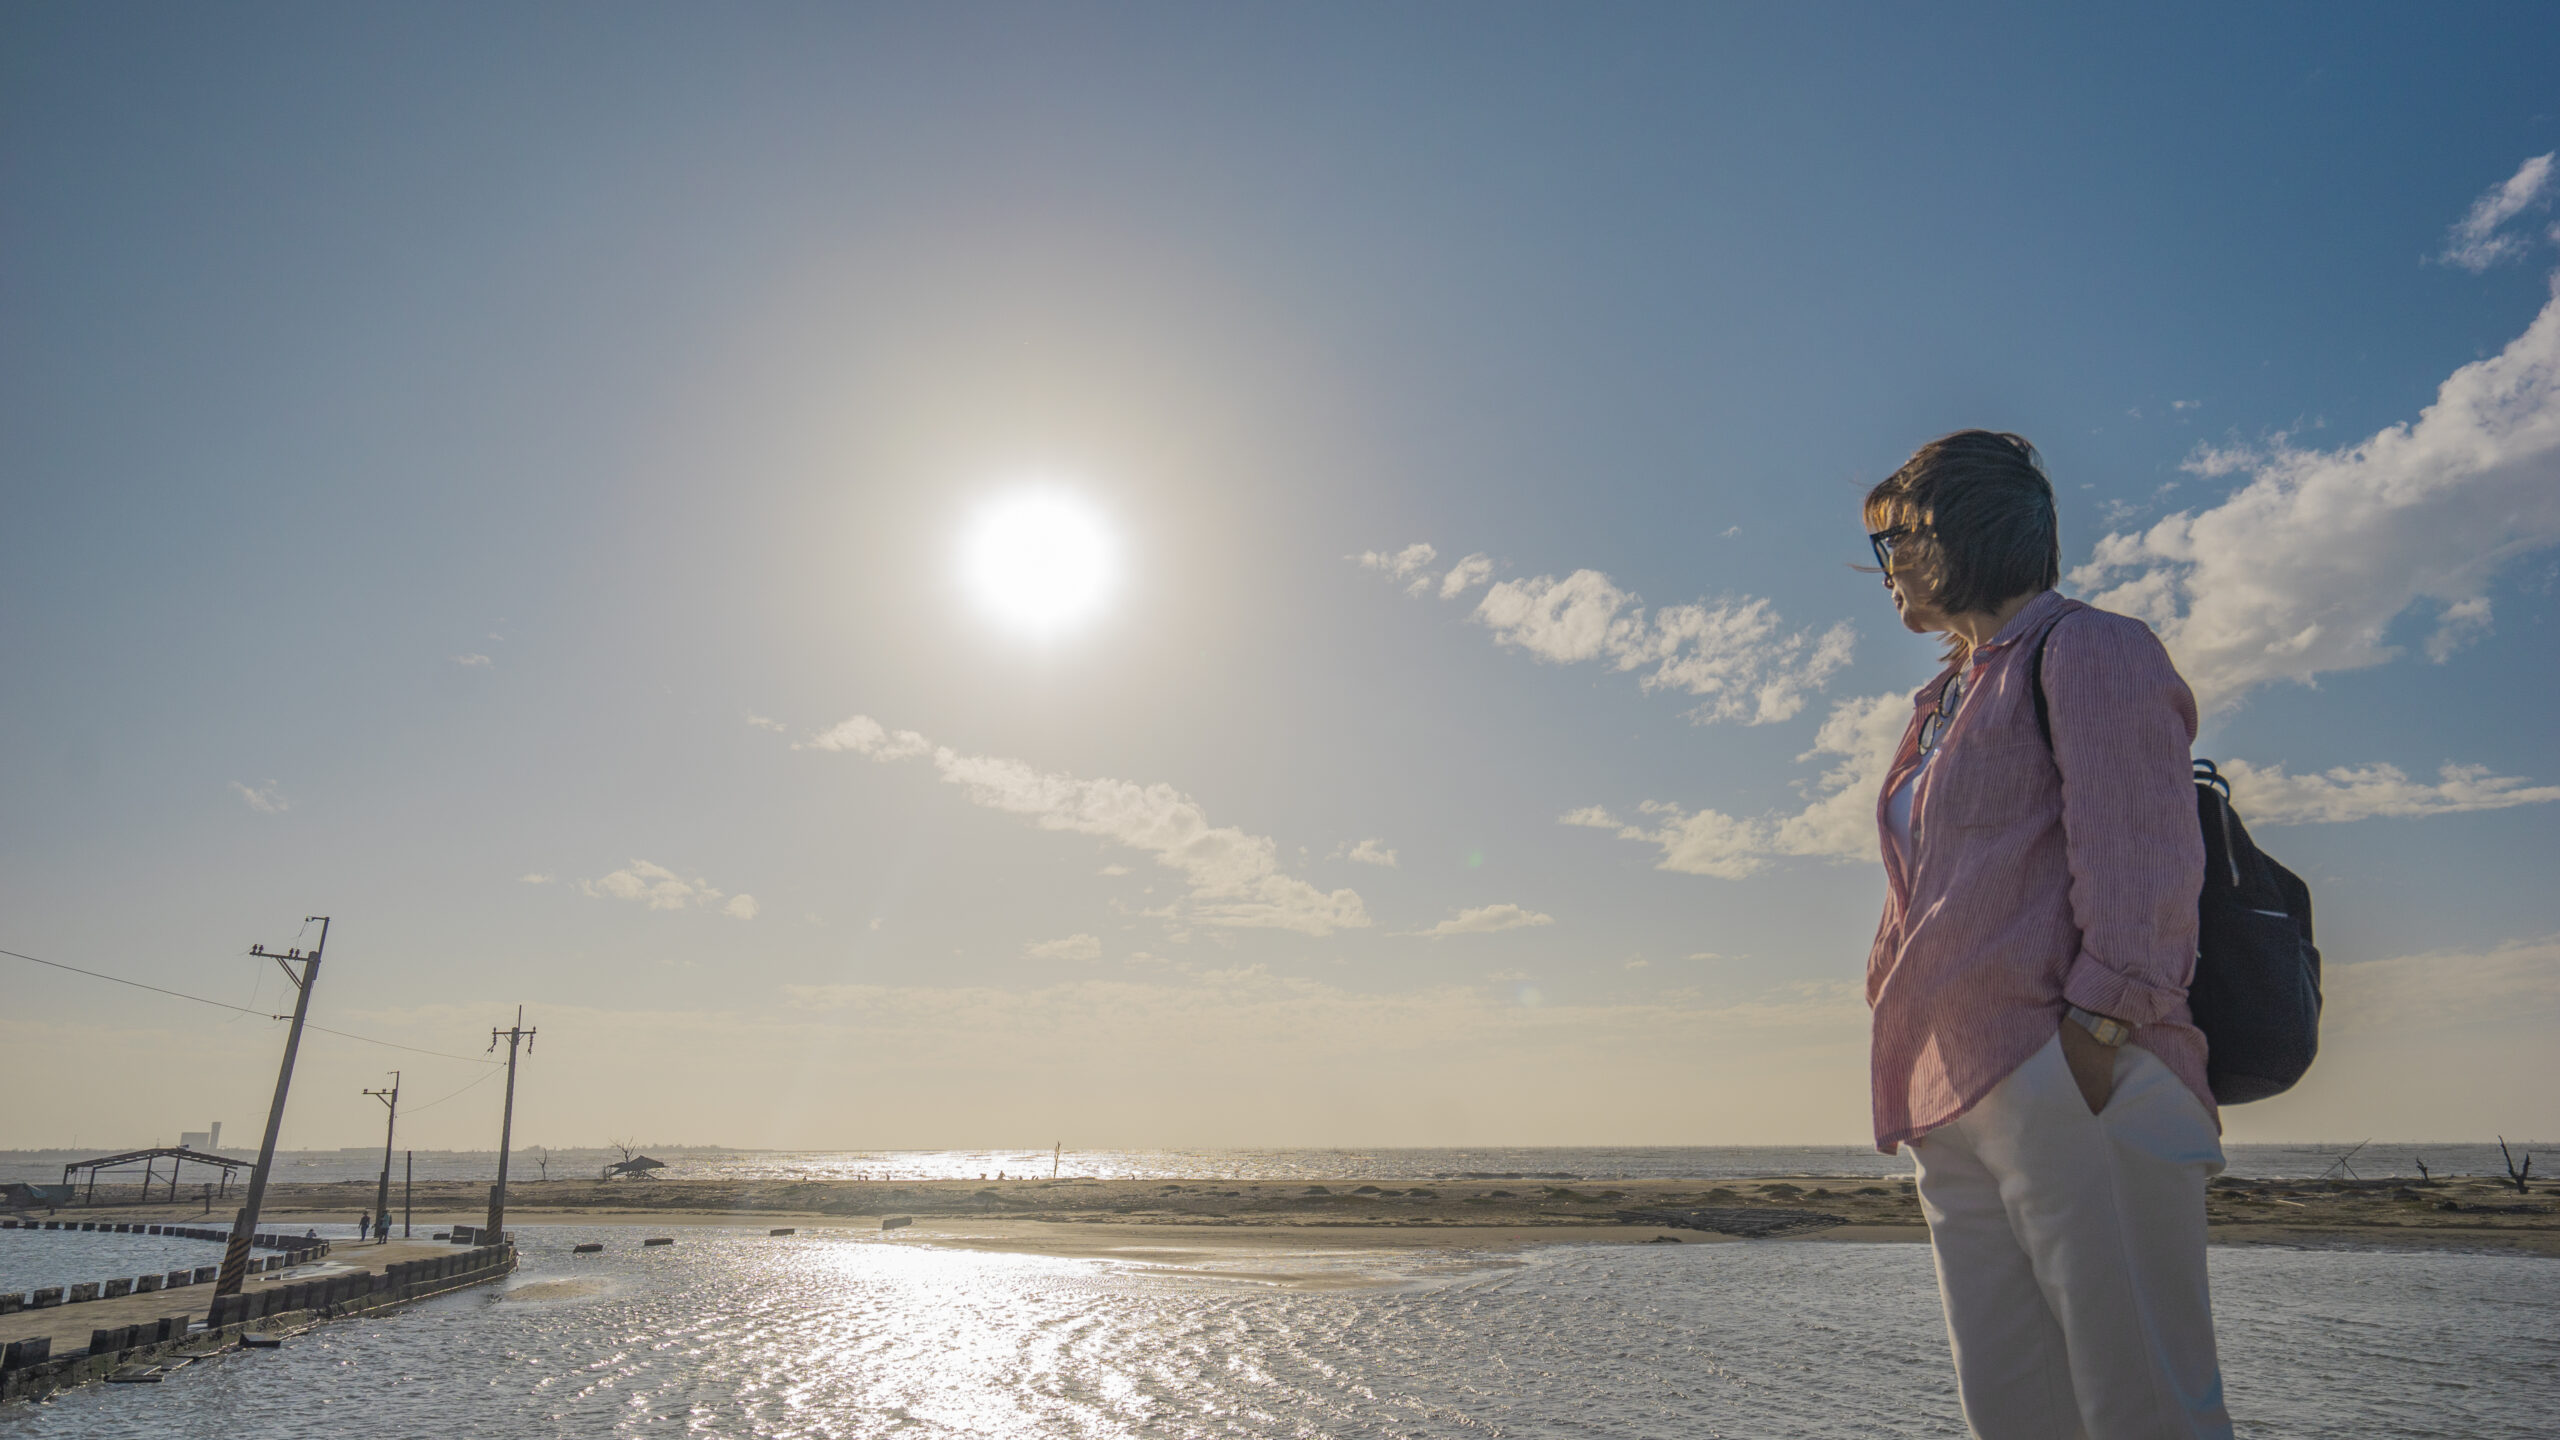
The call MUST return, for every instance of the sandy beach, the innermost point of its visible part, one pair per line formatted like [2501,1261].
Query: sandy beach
[1123,1217]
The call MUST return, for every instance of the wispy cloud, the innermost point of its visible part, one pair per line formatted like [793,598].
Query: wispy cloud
[1837,821]
[473,661]
[1735,654]
[2304,569]
[1214,1011]
[1486,919]
[1368,852]
[1073,947]
[1407,564]
[767,722]
[536,877]
[2268,796]
[658,888]
[1466,575]
[265,799]
[2515,982]
[2483,237]
[1235,878]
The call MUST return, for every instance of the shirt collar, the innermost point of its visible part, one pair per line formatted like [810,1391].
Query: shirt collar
[2028,617]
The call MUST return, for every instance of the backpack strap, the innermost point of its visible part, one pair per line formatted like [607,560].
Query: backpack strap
[2035,683]
[2035,676]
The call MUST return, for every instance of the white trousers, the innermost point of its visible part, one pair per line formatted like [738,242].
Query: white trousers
[2070,1251]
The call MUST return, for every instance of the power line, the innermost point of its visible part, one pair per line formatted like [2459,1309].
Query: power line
[396,1045]
[485,1076]
[245,1010]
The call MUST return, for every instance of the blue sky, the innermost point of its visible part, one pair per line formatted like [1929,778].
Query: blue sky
[450,446]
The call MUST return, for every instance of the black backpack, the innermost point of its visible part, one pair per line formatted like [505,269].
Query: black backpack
[2256,989]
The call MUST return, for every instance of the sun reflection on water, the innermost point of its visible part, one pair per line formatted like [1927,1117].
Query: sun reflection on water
[852,1335]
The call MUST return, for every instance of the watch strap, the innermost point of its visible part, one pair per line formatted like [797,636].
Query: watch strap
[2106,1029]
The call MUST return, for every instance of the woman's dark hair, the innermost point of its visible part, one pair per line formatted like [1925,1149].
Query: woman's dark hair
[1980,513]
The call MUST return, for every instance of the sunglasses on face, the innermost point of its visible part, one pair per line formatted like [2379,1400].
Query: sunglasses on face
[1883,542]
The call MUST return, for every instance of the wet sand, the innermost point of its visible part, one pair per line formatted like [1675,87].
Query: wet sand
[1118,1217]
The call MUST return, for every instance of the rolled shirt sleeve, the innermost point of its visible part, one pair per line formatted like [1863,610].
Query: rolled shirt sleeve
[2123,727]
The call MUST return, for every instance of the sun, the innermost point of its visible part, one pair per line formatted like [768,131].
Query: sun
[1039,560]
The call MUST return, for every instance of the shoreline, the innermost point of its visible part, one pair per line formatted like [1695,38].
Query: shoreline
[1078,1215]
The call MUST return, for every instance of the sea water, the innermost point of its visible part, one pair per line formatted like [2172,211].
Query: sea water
[730,1332]
[34,1259]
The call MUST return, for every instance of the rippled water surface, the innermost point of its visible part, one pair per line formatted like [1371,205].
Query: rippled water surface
[732,1333]
[33,1258]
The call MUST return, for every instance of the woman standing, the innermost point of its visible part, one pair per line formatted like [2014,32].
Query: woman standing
[2032,1045]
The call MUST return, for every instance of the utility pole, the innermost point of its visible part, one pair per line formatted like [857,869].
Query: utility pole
[235,1256]
[506,1127]
[382,1192]
[408,1181]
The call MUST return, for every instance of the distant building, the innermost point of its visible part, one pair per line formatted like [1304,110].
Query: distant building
[207,1141]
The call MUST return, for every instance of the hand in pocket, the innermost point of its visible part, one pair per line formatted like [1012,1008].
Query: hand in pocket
[2093,1066]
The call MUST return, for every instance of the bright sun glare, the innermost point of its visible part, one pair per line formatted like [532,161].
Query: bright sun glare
[1039,560]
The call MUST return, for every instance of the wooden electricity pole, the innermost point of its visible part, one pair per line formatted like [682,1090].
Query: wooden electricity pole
[244,1226]
[497,1232]
[382,1192]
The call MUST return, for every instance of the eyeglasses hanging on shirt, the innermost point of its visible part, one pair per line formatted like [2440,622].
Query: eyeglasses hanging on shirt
[1935,726]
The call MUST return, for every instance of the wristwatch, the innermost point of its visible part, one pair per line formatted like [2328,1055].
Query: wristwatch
[2106,1029]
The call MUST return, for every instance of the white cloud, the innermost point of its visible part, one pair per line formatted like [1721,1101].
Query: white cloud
[2475,243]
[536,877]
[2457,625]
[1486,919]
[766,722]
[1733,654]
[1837,822]
[471,661]
[1073,947]
[659,888]
[865,736]
[1464,576]
[1409,563]
[1235,878]
[2269,796]
[1114,868]
[1370,852]
[265,799]
[2305,567]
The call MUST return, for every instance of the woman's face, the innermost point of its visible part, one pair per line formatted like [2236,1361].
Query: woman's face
[1907,577]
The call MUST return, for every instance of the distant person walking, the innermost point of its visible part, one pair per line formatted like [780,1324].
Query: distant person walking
[2032,1045]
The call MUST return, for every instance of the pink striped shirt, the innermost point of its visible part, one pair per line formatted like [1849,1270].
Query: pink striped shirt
[2038,876]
